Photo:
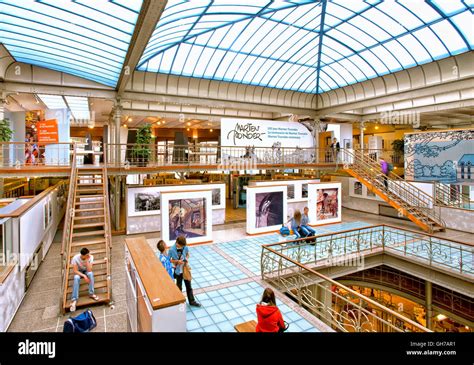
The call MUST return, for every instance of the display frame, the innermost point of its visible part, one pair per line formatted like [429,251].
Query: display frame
[252,192]
[167,196]
[313,201]
[365,191]
[221,188]
[297,183]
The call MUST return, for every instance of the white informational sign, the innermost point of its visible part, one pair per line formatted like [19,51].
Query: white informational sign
[264,133]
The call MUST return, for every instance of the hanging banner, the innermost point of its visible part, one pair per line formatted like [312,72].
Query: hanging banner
[264,133]
[48,131]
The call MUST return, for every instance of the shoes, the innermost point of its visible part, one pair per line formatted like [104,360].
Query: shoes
[72,308]
[195,304]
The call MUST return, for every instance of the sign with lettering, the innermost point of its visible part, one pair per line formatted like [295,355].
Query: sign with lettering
[264,133]
[48,131]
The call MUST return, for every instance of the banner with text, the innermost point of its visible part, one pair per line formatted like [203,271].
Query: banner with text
[48,131]
[264,133]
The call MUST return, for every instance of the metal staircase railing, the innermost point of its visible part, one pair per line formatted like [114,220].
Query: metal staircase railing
[449,196]
[412,202]
[67,229]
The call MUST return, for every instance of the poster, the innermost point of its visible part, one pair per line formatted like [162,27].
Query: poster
[304,190]
[188,214]
[357,188]
[216,197]
[47,131]
[187,217]
[147,202]
[290,191]
[266,208]
[325,203]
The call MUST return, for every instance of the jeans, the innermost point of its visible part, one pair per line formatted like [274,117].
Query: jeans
[187,283]
[308,231]
[77,282]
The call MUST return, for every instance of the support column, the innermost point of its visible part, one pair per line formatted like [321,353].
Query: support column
[117,120]
[429,304]
[362,124]
[118,201]
[316,128]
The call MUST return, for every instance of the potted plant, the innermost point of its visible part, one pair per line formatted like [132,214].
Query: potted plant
[398,146]
[5,136]
[141,150]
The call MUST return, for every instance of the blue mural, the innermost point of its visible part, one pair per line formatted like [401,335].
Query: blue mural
[446,157]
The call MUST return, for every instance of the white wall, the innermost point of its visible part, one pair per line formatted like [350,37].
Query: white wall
[17,124]
[11,293]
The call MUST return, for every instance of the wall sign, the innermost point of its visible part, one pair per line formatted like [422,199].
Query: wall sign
[48,131]
[264,133]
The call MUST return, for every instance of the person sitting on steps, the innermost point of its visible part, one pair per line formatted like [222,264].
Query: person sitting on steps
[82,268]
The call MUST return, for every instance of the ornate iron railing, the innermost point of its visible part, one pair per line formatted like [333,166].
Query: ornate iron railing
[335,304]
[347,246]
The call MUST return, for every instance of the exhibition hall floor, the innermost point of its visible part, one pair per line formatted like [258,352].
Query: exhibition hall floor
[226,280]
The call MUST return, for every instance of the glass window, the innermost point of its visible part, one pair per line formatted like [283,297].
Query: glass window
[435,47]
[450,37]
[464,22]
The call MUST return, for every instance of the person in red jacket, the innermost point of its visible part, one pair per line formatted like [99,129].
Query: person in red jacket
[268,315]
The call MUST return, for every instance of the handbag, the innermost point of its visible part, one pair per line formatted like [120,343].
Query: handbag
[187,272]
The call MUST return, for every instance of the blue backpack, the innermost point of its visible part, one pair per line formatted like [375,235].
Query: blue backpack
[84,322]
[284,230]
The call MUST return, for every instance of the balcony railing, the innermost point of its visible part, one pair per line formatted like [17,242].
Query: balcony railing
[437,253]
[335,304]
[34,154]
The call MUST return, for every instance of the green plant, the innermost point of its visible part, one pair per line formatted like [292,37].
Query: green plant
[398,146]
[141,150]
[5,131]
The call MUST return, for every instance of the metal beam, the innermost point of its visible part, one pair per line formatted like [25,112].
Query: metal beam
[399,96]
[57,90]
[213,103]
[425,109]
[149,16]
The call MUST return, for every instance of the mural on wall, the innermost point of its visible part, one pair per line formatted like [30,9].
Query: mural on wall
[446,156]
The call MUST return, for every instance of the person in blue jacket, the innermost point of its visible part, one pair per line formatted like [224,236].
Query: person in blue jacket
[162,255]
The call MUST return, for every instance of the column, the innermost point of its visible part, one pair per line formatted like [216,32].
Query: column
[362,124]
[316,127]
[117,120]
[117,201]
[429,304]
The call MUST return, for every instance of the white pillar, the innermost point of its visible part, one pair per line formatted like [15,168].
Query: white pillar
[117,120]
[362,135]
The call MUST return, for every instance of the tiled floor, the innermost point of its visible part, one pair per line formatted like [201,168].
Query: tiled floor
[226,278]
[224,308]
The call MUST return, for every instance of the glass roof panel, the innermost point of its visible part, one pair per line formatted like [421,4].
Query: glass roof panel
[83,38]
[279,44]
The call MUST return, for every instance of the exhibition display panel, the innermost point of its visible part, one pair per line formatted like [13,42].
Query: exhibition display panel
[325,203]
[186,213]
[266,208]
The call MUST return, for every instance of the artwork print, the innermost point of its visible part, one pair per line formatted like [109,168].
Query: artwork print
[357,188]
[268,209]
[327,204]
[187,217]
[147,201]
[304,190]
[290,192]
[216,196]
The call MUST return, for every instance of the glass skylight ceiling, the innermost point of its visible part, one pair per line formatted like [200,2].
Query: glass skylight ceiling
[282,44]
[86,38]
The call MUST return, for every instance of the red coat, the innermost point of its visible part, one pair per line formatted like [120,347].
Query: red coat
[269,318]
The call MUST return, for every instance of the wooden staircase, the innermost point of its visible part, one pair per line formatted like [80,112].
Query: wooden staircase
[406,198]
[87,224]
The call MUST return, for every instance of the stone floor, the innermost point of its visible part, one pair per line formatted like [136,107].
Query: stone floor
[39,310]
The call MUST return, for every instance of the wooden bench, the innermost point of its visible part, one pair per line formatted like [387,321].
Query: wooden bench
[246,326]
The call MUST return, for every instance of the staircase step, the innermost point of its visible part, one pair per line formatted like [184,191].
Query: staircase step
[88,210]
[82,217]
[89,233]
[96,262]
[98,273]
[78,190]
[92,252]
[83,287]
[88,225]
[90,196]
[90,184]
[89,242]
[85,301]
[90,202]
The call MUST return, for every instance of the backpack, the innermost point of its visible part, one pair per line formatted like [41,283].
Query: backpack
[84,322]
[284,230]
